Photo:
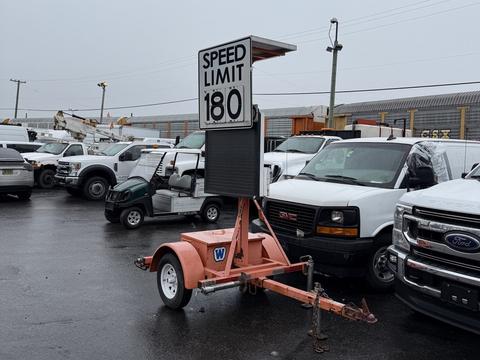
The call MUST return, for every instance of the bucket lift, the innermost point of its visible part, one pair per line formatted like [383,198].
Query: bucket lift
[221,259]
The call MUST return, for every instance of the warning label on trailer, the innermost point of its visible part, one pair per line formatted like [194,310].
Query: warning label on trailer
[224,82]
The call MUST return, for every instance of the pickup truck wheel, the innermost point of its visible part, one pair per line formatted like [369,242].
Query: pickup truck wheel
[95,188]
[170,282]
[132,217]
[379,276]
[25,195]
[46,179]
[211,213]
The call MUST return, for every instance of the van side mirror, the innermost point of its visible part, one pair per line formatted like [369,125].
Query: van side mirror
[424,177]
[126,156]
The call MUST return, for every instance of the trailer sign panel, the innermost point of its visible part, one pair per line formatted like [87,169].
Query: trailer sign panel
[225,86]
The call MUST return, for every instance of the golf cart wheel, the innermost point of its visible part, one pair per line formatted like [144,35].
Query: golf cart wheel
[171,284]
[379,277]
[95,188]
[211,213]
[46,179]
[132,217]
[112,218]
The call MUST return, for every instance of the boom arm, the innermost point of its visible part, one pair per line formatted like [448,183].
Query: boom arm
[81,127]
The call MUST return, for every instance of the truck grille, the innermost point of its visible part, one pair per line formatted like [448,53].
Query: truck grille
[63,168]
[290,217]
[448,217]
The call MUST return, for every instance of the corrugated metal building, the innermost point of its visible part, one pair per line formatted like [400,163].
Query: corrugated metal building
[279,122]
[455,116]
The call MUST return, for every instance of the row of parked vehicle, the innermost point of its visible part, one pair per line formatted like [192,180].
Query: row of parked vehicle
[397,211]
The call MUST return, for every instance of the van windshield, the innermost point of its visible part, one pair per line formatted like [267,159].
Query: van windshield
[192,141]
[370,164]
[52,148]
[299,144]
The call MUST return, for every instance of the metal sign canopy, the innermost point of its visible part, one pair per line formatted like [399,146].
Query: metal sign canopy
[225,81]
[263,49]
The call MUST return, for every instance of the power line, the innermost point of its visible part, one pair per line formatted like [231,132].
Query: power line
[367,18]
[369,90]
[269,94]
[396,22]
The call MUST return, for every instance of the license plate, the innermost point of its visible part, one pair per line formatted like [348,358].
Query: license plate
[7,172]
[461,296]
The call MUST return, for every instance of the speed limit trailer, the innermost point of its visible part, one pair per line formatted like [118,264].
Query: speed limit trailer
[221,259]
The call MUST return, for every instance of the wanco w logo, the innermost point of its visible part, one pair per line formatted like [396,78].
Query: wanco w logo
[219,254]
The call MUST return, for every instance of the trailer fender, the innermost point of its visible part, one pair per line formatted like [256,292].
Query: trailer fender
[270,249]
[192,266]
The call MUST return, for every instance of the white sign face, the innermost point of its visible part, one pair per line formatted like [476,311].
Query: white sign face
[225,86]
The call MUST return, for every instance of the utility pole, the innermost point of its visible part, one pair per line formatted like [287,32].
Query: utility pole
[103,85]
[335,49]
[18,93]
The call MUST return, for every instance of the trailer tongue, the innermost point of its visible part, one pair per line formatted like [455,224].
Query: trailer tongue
[215,260]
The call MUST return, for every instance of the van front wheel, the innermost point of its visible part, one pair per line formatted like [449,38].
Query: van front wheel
[379,276]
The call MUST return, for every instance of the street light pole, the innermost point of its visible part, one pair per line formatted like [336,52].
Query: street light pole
[103,85]
[335,49]
[18,93]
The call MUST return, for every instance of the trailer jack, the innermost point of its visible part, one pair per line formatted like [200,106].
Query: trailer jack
[222,259]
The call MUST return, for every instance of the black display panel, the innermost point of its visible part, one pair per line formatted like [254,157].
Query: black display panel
[232,164]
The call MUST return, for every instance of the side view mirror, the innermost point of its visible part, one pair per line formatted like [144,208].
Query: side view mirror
[424,177]
[126,156]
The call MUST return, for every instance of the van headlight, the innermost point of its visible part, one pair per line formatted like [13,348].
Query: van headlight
[399,226]
[343,222]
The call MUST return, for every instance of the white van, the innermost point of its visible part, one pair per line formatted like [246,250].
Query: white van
[340,207]
[13,133]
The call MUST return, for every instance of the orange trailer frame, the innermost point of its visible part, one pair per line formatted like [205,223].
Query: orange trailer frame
[250,260]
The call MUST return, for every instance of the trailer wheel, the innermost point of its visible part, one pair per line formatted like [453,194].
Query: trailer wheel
[211,212]
[170,282]
[132,217]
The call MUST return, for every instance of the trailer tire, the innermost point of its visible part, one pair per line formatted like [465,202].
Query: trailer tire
[95,188]
[171,284]
[132,217]
[210,212]
[46,179]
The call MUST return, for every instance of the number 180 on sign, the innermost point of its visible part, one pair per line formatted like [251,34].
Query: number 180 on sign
[223,105]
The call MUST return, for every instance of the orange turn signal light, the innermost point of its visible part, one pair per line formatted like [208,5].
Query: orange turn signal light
[330,230]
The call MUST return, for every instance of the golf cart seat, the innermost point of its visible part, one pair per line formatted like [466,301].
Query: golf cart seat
[178,185]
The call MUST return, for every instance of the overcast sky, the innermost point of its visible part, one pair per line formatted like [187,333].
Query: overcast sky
[146,50]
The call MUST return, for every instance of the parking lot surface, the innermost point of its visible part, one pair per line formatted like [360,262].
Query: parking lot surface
[69,290]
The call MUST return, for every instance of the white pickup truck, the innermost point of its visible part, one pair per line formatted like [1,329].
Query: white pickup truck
[45,160]
[290,156]
[91,175]
[339,209]
[435,254]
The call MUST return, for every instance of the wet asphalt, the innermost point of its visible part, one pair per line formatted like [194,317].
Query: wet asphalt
[69,290]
